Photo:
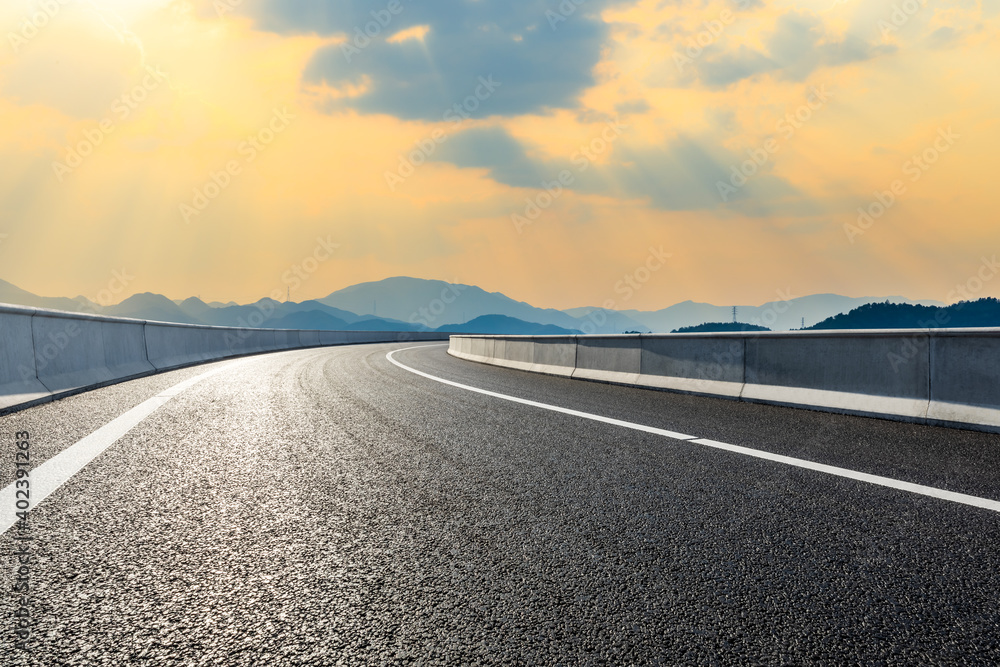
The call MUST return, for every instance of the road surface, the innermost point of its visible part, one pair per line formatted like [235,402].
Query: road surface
[328,506]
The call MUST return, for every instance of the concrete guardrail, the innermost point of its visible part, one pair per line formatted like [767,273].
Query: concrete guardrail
[948,377]
[47,354]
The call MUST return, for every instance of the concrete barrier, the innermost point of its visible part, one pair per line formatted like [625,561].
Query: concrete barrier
[946,377]
[47,354]
[853,373]
[286,339]
[18,377]
[176,345]
[309,339]
[694,363]
[332,337]
[617,360]
[249,341]
[555,356]
[125,349]
[965,377]
[69,351]
[519,353]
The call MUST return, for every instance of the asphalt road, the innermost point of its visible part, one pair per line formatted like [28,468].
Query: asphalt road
[325,507]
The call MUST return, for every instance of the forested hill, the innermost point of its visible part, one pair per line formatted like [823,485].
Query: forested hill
[721,327]
[982,313]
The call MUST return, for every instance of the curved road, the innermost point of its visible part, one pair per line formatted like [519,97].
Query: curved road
[327,506]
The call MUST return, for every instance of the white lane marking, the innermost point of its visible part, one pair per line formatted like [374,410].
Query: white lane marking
[545,406]
[919,489]
[52,474]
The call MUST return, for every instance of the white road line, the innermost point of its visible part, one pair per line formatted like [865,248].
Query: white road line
[919,489]
[52,474]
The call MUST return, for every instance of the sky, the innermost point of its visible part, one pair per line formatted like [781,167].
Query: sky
[719,151]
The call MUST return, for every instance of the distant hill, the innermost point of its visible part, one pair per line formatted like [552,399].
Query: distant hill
[313,319]
[313,304]
[16,296]
[148,306]
[381,324]
[610,321]
[437,304]
[194,307]
[241,316]
[776,315]
[981,313]
[720,327]
[411,304]
[501,324]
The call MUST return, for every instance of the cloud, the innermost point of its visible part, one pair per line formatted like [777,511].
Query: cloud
[493,149]
[682,175]
[725,69]
[799,45]
[632,106]
[541,52]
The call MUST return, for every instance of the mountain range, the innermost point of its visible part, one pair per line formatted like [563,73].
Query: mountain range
[782,315]
[412,304]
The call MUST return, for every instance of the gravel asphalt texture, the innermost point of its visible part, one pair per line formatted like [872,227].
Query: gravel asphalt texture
[324,507]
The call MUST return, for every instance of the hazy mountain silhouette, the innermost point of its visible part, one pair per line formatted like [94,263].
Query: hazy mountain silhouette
[242,316]
[312,319]
[607,321]
[14,295]
[149,306]
[501,324]
[381,324]
[412,304]
[324,321]
[721,327]
[340,314]
[776,315]
[194,307]
[981,313]
[437,304]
